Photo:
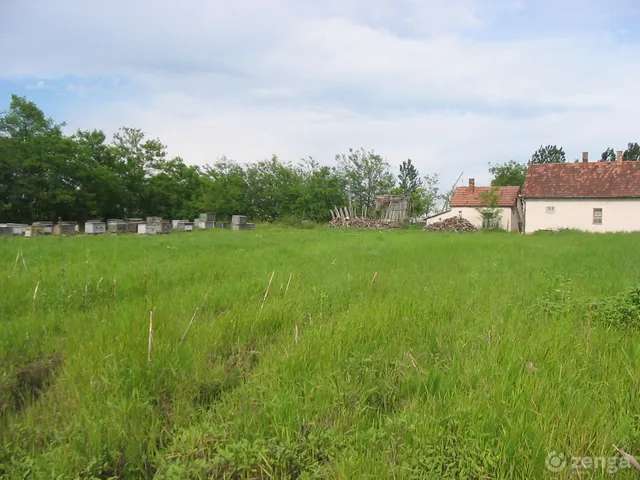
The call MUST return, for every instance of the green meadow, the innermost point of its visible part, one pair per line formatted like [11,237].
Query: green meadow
[375,354]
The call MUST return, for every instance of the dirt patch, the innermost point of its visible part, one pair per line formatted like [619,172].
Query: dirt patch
[28,383]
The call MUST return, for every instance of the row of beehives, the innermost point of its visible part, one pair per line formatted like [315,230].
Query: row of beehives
[148,226]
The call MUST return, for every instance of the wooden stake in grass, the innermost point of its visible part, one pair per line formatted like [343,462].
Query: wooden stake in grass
[150,336]
[24,262]
[266,293]
[193,317]
[630,458]
[375,276]
[413,361]
[113,289]
[295,334]
[288,283]
[35,292]
[587,332]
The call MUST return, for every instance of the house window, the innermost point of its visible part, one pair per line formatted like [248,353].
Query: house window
[551,209]
[460,213]
[597,216]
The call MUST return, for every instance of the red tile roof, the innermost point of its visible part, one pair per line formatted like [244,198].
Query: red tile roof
[466,197]
[586,180]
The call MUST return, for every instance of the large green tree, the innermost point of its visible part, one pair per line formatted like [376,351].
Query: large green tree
[409,178]
[322,189]
[548,154]
[632,153]
[608,155]
[37,165]
[366,174]
[509,173]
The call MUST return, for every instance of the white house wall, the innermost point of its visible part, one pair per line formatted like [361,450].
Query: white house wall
[508,217]
[618,215]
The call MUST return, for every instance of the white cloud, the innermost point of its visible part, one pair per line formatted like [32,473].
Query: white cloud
[426,80]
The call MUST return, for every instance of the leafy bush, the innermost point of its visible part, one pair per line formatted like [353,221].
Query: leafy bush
[621,310]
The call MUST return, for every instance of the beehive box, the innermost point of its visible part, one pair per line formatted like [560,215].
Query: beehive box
[115,225]
[94,227]
[16,228]
[47,227]
[65,228]
[132,224]
[32,231]
[207,217]
[239,220]
[146,229]
[188,227]
[222,225]
[153,220]
[178,224]
[203,225]
[163,227]
[245,226]
[5,230]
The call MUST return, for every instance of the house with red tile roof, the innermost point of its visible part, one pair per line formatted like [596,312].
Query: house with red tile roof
[467,202]
[590,196]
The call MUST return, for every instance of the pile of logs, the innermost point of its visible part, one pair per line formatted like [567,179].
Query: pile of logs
[453,224]
[363,223]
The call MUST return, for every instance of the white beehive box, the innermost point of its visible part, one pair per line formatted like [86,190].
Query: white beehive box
[188,227]
[95,227]
[145,229]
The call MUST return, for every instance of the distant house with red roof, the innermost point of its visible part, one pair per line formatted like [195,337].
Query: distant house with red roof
[466,202]
[596,196]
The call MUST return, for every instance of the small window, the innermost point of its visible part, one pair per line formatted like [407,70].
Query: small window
[460,213]
[551,209]
[597,216]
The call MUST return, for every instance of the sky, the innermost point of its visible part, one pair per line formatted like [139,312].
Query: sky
[452,84]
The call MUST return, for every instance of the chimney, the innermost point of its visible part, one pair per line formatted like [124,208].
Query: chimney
[585,157]
[472,184]
[619,156]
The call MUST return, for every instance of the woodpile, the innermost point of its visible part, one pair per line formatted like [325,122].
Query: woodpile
[453,224]
[363,223]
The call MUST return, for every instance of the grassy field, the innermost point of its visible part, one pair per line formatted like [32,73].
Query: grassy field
[396,354]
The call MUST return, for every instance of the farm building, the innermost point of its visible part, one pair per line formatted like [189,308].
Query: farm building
[595,197]
[466,201]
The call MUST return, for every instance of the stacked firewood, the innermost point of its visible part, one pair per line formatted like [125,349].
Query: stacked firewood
[453,224]
[367,223]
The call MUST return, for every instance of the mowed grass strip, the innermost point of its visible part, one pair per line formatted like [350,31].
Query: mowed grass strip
[468,356]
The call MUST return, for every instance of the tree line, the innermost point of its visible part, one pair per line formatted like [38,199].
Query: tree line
[46,174]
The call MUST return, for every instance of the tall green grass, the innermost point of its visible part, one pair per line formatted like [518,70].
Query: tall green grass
[468,356]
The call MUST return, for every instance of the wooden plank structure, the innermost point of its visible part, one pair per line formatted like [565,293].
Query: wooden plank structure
[394,208]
